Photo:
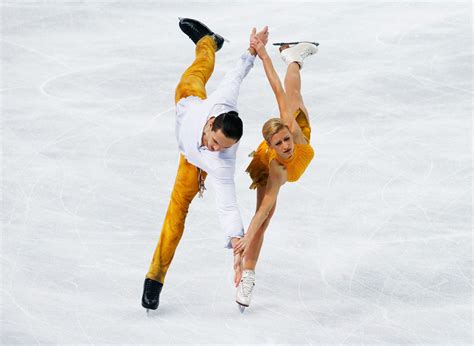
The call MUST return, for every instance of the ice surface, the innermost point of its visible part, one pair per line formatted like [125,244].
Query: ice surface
[372,245]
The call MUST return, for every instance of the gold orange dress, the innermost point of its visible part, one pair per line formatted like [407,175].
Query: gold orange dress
[294,165]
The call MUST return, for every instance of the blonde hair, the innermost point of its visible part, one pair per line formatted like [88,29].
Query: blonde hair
[271,127]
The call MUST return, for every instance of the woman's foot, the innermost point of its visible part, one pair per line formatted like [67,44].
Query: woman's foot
[298,52]
[283,47]
[244,291]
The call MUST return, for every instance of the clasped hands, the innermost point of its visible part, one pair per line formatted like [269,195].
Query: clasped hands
[258,40]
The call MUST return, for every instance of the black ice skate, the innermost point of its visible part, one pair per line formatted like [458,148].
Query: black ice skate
[151,294]
[197,30]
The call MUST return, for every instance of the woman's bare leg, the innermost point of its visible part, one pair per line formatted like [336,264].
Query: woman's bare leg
[293,86]
[253,251]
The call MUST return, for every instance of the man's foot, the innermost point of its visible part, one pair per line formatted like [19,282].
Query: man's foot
[244,291]
[151,294]
[197,30]
[298,52]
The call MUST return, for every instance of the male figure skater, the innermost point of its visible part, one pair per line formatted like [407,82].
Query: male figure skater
[207,130]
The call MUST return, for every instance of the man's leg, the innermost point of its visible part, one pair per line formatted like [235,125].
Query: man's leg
[185,188]
[194,79]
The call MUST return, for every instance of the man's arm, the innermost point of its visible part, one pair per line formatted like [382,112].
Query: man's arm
[228,90]
[226,201]
[228,212]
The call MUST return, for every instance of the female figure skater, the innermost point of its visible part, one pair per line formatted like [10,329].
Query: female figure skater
[283,156]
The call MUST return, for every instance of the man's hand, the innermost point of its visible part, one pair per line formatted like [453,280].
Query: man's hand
[262,36]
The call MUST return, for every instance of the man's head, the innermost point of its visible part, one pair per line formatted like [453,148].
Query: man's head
[223,131]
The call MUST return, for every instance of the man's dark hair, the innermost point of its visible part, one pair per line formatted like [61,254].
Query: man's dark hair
[230,124]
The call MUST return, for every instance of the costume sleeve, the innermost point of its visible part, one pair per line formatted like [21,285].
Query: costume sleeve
[226,200]
[228,90]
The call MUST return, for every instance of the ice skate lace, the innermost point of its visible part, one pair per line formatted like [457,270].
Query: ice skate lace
[307,52]
[247,286]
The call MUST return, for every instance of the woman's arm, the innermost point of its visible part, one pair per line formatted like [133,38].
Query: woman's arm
[275,83]
[276,178]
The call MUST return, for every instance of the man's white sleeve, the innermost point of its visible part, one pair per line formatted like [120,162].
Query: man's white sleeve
[228,89]
[226,200]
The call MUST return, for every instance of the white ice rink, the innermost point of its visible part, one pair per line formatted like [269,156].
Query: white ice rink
[373,245]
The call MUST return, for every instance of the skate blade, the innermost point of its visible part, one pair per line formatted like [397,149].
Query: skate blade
[284,43]
[241,307]
[225,40]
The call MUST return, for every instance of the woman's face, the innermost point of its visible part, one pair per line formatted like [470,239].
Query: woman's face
[282,142]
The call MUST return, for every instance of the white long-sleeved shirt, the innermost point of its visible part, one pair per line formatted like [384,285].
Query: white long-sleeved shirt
[192,114]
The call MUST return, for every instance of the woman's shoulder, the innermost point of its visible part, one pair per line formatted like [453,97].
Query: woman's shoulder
[305,151]
[306,145]
[298,136]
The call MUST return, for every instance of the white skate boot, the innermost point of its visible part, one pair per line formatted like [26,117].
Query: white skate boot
[298,53]
[244,290]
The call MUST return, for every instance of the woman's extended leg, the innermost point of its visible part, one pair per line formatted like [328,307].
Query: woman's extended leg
[293,92]
[253,251]
[293,87]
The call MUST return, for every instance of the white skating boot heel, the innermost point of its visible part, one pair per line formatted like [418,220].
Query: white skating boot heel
[244,290]
[298,53]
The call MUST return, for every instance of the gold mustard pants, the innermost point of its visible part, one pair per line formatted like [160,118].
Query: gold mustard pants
[186,186]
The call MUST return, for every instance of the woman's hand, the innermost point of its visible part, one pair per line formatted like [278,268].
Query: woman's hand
[259,47]
[237,268]
[242,245]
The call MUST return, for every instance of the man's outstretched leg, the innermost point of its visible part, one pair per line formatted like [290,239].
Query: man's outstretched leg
[188,177]
[185,188]
[194,79]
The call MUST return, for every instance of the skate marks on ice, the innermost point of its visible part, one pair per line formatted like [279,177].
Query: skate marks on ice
[381,255]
